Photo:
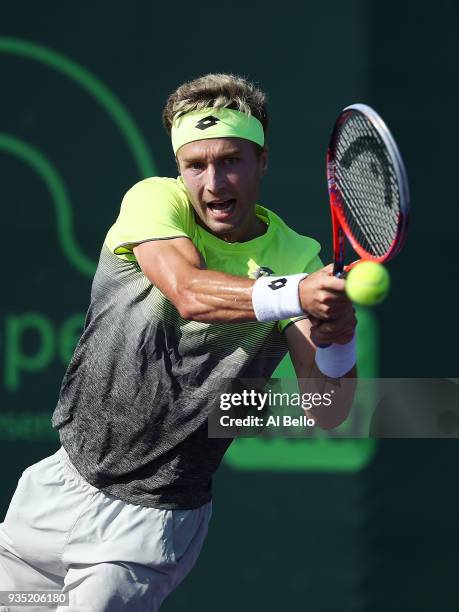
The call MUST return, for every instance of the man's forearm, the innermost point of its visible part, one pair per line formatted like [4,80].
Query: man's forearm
[342,390]
[215,297]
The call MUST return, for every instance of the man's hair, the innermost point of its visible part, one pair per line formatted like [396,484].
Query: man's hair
[216,91]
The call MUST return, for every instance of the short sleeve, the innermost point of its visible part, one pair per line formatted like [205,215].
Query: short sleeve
[153,209]
[313,266]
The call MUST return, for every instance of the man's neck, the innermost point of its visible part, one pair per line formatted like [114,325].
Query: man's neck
[257,228]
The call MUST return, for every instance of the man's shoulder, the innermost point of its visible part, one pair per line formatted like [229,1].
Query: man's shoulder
[159,185]
[292,238]
[152,209]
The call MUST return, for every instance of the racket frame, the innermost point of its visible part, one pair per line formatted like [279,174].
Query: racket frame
[339,224]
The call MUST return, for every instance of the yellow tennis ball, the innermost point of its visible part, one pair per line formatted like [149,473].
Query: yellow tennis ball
[367,283]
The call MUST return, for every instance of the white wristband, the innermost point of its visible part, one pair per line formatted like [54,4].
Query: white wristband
[337,359]
[276,297]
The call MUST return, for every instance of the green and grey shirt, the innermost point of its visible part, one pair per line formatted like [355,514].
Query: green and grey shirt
[133,406]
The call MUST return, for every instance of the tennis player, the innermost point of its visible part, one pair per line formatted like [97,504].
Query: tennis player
[196,282]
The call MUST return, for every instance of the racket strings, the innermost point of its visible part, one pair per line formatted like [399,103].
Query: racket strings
[366,179]
[366,215]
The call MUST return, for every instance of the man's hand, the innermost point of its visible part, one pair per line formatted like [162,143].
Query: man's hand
[322,294]
[340,331]
[330,311]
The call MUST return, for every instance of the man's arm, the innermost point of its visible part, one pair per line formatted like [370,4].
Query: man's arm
[302,351]
[177,268]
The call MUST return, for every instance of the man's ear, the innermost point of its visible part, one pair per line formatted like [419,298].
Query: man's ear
[264,160]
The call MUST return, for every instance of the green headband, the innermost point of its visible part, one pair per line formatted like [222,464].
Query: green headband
[215,123]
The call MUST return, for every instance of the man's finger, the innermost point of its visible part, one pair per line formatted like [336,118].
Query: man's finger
[333,283]
[337,297]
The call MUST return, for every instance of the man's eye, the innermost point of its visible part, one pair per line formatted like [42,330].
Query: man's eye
[231,160]
[196,166]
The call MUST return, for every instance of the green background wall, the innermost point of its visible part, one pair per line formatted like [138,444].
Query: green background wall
[81,124]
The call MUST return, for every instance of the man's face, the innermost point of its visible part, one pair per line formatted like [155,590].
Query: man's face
[222,176]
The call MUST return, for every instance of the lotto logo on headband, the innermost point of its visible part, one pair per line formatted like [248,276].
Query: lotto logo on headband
[206,122]
[215,123]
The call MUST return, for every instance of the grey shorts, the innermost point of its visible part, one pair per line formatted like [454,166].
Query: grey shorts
[62,533]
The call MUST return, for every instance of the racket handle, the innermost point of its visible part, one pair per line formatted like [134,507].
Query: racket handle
[339,272]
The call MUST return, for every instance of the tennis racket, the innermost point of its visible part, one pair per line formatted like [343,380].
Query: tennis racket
[368,188]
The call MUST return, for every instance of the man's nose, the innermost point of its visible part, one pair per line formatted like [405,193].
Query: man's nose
[215,179]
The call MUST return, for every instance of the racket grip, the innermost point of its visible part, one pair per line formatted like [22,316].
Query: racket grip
[339,272]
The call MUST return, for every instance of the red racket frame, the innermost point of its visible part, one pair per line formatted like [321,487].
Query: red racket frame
[339,224]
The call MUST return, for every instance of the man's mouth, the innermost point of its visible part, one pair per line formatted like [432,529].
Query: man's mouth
[221,209]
